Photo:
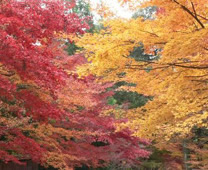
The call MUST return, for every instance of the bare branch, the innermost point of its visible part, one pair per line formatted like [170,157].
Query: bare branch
[192,4]
[190,13]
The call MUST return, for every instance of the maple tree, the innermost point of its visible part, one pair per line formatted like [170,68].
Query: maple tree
[175,75]
[49,114]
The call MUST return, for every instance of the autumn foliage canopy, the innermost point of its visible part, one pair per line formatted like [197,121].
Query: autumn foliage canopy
[54,108]
[47,113]
[171,67]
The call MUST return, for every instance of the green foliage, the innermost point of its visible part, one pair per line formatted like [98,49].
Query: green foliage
[80,108]
[133,98]
[111,101]
[139,55]
[150,165]
[197,149]
[199,133]
[71,48]
[146,13]
[82,9]
[119,84]
[121,97]
[156,160]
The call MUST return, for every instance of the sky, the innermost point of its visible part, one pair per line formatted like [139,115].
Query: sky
[116,8]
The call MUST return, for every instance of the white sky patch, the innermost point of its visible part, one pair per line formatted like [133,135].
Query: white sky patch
[122,12]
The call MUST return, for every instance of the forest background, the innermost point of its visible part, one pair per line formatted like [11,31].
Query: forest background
[112,94]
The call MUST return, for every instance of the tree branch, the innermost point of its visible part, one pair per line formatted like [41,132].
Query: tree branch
[192,4]
[202,17]
[190,13]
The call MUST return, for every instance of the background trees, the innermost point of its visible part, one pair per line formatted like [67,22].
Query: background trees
[140,78]
[49,114]
[182,63]
[175,76]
